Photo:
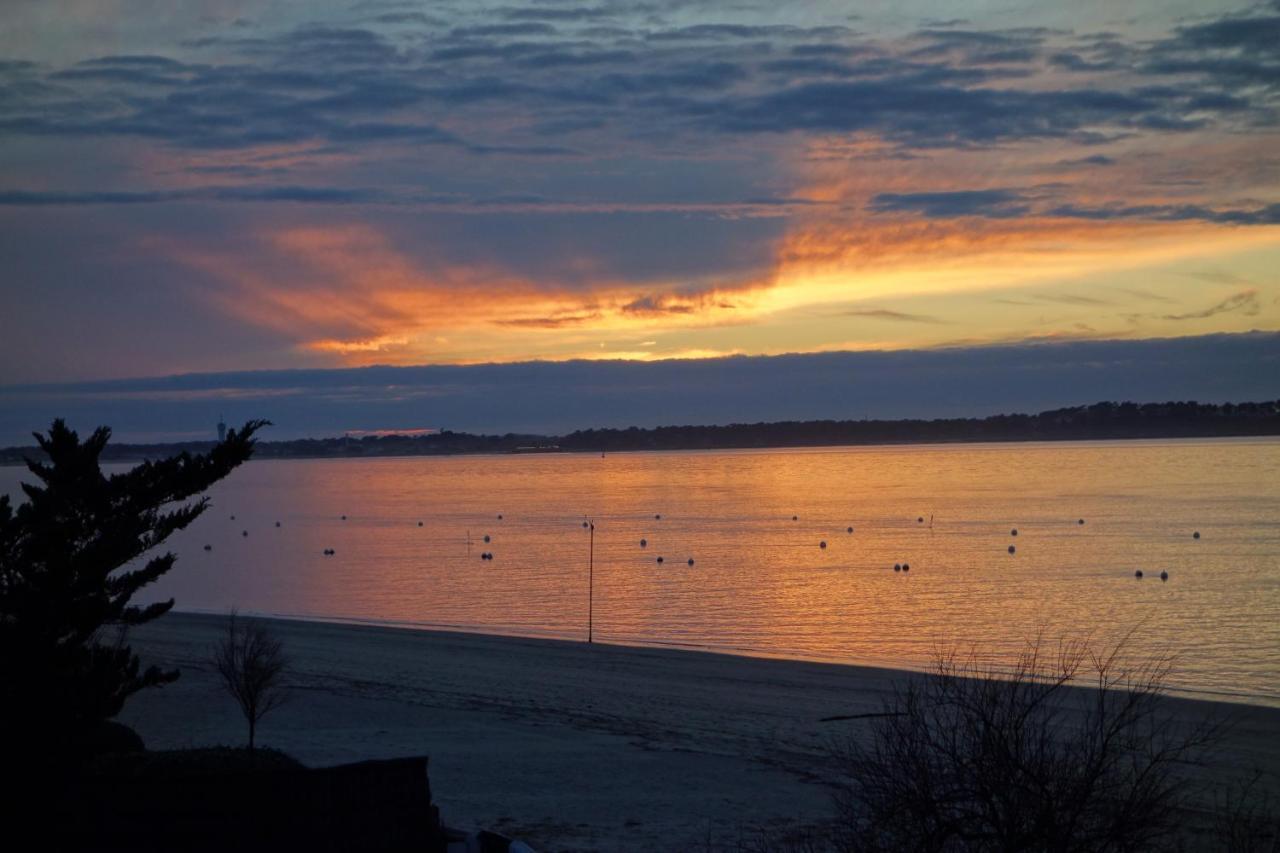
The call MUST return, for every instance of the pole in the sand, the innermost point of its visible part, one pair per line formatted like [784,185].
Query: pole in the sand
[591,582]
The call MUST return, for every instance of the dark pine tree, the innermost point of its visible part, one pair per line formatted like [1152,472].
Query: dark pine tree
[72,557]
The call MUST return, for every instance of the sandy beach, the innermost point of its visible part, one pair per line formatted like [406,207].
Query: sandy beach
[570,746]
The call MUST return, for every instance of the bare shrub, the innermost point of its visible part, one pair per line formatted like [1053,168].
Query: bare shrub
[251,661]
[974,757]
[1246,820]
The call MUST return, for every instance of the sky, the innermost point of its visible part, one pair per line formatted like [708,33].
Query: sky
[228,186]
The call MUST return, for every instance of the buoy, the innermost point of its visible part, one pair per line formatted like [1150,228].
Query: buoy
[658,516]
[644,543]
[1195,535]
[659,559]
[499,516]
[906,567]
[584,525]
[920,520]
[1081,521]
[897,567]
[328,552]
[691,561]
[233,518]
[277,524]
[1012,550]
[244,533]
[486,537]
[1138,574]
[1164,576]
[795,518]
[1013,532]
[822,544]
[848,530]
[344,518]
[419,523]
[208,547]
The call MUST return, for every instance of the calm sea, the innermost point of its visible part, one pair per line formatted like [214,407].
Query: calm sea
[410,549]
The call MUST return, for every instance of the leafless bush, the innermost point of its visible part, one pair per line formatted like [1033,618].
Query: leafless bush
[251,661]
[977,758]
[1246,820]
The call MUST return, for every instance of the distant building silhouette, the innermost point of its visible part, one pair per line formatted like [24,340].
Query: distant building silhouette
[222,429]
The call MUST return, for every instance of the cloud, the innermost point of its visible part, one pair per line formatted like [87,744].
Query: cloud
[558,397]
[671,166]
[886,314]
[1091,160]
[1245,302]
[1265,215]
[1071,299]
[996,203]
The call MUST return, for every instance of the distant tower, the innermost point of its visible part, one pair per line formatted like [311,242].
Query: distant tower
[222,429]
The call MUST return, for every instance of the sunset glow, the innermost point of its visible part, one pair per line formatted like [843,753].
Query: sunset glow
[375,185]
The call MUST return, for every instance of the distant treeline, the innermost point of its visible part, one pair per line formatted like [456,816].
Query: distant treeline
[1098,421]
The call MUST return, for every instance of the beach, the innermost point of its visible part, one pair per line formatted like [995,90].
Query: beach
[570,746]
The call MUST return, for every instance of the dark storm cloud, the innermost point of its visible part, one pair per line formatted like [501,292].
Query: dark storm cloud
[559,397]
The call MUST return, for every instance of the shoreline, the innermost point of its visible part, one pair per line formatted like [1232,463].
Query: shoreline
[10,457]
[900,669]
[571,746]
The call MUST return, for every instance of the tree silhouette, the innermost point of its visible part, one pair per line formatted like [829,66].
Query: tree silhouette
[251,661]
[72,557]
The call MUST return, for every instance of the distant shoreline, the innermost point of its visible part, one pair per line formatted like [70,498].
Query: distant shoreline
[8,461]
[1098,422]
